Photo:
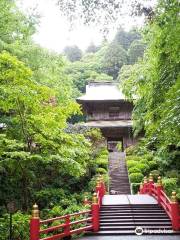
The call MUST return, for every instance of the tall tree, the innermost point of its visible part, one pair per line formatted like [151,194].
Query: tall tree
[135,51]
[73,53]
[114,58]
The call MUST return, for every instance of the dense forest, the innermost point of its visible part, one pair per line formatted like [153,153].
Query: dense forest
[44,157]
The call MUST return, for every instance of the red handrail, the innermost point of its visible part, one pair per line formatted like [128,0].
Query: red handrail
[64,229]
[172,208]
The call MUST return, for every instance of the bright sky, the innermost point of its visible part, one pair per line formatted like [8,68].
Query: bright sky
[53,32]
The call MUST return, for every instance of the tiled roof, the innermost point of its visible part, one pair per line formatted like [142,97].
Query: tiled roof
[98,91]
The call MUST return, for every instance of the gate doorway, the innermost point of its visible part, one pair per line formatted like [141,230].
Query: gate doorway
[115,145]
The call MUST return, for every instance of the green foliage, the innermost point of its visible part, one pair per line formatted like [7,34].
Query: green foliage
[152,165]
[73,53]
[170,185]
[20,223]
[155,174]
[135,187]
[134,170]
[143,167]
[136,177]
[173,174]
[135,51]
[115,57]
[101,170]
[131,163]
[153,84]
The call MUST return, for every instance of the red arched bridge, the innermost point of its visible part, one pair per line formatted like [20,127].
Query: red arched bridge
[114,214]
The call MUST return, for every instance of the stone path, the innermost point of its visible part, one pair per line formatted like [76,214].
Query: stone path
[119,182]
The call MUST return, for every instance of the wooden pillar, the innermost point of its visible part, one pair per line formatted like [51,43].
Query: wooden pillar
[95,213]
[35,223]
[175,212]
[159,188]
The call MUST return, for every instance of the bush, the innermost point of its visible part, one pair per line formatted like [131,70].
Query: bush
[135,188]
[178,194]
[143,167]
[131,163]
[136,177]
[152,165]
[172,174]
[134,170]
[20,226]
[170,184]
[102,162]
[101,170]
[130,150]
[49,197]
[155,174]
[148,156]
[134,158]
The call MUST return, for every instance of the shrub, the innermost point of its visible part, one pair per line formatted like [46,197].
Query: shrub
[20,226]
[134,170]
[130,150]
[131,164]
[143,167]
[178,194]
[144,161]
[172,174]
[49,196]
[152,165]
[101,170]
[134,158]
[155,174]
[170,184]
[102,162]
[135,188]
[136,177]
[148,156]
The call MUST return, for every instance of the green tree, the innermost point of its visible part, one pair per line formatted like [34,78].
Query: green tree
[155,82]
[114,58]
[73,53]
[125,39]
[135,51]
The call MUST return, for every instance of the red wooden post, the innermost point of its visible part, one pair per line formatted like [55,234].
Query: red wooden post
[159,188]
[67,227]
[174,212]
[141,189]
[95,213]
[151,182]
[35,223]
[145,185]
[99,189]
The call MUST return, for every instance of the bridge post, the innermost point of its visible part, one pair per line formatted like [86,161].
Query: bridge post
[99,189]
[141,188]
[150,185]
[67,227]
[95,213]
[35,223]
[145,185]
[159,188]
[175,212]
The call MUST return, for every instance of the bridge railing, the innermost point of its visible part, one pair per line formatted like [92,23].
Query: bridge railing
[171,206]
[67,225]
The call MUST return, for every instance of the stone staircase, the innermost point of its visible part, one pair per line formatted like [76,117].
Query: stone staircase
[119,182]
[126,219]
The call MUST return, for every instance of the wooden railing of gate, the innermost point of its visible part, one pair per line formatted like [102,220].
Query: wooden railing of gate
[69,226]
[171,206]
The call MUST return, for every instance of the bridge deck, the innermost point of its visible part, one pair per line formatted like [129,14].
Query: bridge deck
[128,199]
